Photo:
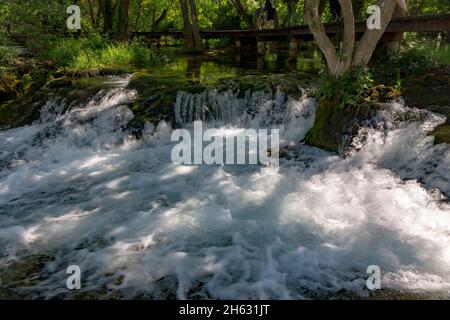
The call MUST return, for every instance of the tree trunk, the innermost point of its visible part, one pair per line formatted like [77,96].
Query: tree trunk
[195,28]
[312,18]
[105,6]
[346,56]
[191,31]
[92,14]
[123,28]
[157,22]
[100,11]
[340,62]
[370,39]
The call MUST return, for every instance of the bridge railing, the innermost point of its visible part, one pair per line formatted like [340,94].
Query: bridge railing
[429,23]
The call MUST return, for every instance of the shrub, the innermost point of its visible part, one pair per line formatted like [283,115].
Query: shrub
[417,56]
[7,55]
[349,89]
[96,52]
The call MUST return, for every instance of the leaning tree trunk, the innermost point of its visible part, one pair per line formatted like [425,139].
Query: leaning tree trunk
[156,22]
[339,62]
[370,39]
[191,30]
[123,28]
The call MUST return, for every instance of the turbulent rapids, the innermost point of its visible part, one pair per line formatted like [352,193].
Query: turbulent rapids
[79,188]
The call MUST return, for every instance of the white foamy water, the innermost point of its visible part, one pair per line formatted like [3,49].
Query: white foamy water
[79,188]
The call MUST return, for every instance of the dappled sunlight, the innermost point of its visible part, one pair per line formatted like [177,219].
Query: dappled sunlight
[176,170]
[117,206]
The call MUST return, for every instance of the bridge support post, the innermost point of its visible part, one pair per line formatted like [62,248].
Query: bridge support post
[261,47]
[260,63]
[206,44]
[238,57]
[293,49]
[238,44]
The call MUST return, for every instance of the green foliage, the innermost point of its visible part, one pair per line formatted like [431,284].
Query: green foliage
[96,52]
[25,85]
[333,122]
[348,89]
[442,54]
[7,55]
[418,55]
[412,61]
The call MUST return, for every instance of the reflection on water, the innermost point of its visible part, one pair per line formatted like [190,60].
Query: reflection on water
[208,69]
[193,70]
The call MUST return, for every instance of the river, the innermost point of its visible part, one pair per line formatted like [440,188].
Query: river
[77,187]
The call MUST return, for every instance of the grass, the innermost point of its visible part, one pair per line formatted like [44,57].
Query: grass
[97,53]
[7,54]
[442,55]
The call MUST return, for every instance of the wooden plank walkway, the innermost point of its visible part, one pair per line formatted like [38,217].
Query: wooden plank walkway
[430,23]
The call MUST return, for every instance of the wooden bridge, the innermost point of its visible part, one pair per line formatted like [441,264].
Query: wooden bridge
[429,23]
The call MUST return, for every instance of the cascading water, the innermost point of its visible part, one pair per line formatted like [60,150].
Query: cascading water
[77,188]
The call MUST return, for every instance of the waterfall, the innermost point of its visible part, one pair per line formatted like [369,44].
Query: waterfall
[259,109]
[400,141]
[78,188]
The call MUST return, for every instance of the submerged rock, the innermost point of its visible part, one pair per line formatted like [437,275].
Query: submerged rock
[442,134]
[21,274]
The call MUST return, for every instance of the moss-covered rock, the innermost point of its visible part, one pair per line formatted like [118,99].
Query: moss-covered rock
[335,126]
[23,273]
[442,134]
[25,109]
[382,93]
[157,93]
